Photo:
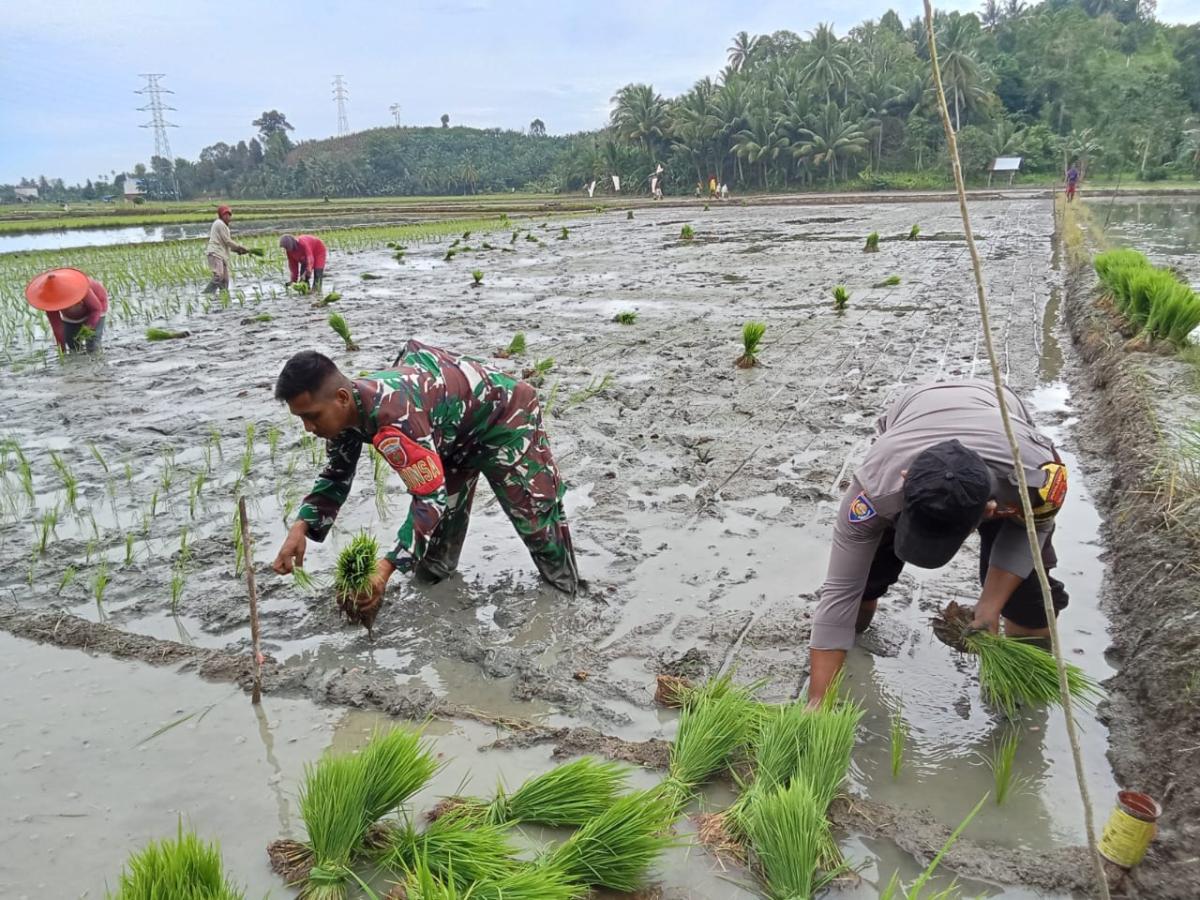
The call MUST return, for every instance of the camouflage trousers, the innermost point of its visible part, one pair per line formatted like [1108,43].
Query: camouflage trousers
[530,492]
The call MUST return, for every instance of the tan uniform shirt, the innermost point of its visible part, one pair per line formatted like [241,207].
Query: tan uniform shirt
[220,241]
[922,416]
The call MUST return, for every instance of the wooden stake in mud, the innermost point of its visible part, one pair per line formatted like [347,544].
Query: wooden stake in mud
[248,554]
[1035,546]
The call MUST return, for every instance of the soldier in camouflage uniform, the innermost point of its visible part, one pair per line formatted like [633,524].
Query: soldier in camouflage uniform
[439,420]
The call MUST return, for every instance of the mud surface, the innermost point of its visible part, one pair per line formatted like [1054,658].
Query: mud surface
[701,495]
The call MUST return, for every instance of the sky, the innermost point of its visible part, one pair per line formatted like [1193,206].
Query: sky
[69,68]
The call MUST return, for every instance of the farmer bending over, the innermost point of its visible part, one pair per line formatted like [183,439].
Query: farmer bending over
[440,420]
[75,306]
[306,259]
[220,243]
[939,469]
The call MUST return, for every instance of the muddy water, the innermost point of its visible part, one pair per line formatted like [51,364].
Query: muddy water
[99,237]
[701,496]
[1166,229]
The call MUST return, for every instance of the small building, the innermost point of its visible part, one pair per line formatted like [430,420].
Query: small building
[26,194]
[1002,164]
[134,187]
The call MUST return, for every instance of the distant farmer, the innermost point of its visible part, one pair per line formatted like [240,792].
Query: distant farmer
[306,259]
[75,306]
[724,191]
[1072,181]
[440,420]
[220,242]
[939,469]
[712,187]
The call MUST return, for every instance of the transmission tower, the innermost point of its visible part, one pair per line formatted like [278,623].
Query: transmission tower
[156,108]
[395,108]
[341,95]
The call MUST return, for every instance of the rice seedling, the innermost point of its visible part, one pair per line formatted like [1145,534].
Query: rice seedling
[100,581]
[825,760]
[914,232]
[129,548]
[165,334]
[565,234]
[536,373]
[790,836]
[894,890]
[184,868]
[258,252]
[466,235]
[1001,761]
[331,297]
[569,794]
[516,347]
[841,298]
[593,387]
[67,579]
[897,738]
[1012,671]
[1154,299]
[258,319]
[303,580]
[98,456]
[300,287]
[890,281]
[69,481]
[625,318]
[450,254]
[154,503]
[178,580]
[617,848]
[687,233]
[629,214]
[717,722]
[532,238]
[477,276]
[368,276]
[25,474]
[46,526]
[339,326]
[872,245]
[752,335]
[214,440]
[353,573]
[458,848]
[273,436]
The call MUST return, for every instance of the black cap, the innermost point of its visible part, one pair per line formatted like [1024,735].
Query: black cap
[945,494]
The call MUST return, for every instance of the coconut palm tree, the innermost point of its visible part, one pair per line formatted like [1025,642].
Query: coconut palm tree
[827,68]
[831,139]
[761,142]
[640,115]
[742,49]
[962,74]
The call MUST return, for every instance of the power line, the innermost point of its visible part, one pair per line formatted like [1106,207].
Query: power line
[156,108]
[341,96]
[395,109]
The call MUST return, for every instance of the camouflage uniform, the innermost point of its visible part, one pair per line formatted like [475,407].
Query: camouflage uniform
[440,420]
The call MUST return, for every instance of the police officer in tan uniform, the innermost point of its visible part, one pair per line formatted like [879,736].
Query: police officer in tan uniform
[940,468]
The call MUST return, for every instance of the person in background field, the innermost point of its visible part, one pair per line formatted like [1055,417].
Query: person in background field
[1072,181]
[724,191]
[306,259]
[220,242]
[440,420]
[75,305]
[941,468]
[712,187]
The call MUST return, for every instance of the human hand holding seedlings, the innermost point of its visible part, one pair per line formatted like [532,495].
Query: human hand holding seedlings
[369,601]
[291,553]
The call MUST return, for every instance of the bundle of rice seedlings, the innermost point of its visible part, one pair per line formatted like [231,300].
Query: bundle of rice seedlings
[825,756]
[687,233]
[629,214]
[352,576]
[890,281]
[300,287]
[331,297]
[752,335]
[477,275]
[399,763]
[256,251]
[367,276]
[566,233]
[459,848]
[165,334]
[338,324]
[185,868]
[841,298]
[1012,671]
[872,245]
[790,837]
[515,347]
[450,254]
[617,848]
[717,722]
[914,232]
[671,691]
[569,794]
[625,318]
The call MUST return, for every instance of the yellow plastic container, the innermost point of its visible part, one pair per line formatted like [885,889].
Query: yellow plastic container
[1130,829]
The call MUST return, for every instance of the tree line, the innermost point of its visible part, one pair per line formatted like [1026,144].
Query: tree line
[1097,81]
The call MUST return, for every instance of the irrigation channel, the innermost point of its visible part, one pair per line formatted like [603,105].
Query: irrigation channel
[701,498]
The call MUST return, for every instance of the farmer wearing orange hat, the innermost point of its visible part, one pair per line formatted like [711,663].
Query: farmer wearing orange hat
[72,302]
[220,242]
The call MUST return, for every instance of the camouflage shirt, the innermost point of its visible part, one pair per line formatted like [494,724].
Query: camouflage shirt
[435,411]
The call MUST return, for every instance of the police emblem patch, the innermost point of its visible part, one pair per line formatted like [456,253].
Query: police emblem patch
[861,509]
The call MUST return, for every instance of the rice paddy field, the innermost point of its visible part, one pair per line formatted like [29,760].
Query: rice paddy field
[700,493]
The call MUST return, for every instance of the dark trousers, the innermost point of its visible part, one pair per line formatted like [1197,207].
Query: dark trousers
[71,333]
[1025,605]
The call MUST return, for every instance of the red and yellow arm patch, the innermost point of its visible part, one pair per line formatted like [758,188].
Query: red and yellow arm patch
[419,468]
[1053,492]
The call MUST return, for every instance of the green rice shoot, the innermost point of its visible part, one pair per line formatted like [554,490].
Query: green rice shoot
[894,890]
[687,233]
[872,245]
[355,567]
[342,330]
[1001,762]
[516,346]
[841,298]
[333,800]
[914,232]
[165,334]
[752,335]
[790,837]
[569,794]
[897,738]
[890,281]
[714,727]
[1015,672]
[458,848]
[182,868]
[398,763]
[625,317]
[477,275]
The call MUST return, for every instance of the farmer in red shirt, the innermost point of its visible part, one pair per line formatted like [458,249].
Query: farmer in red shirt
[72,302]
[306,259]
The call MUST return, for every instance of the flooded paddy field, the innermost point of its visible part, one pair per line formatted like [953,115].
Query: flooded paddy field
[701,499]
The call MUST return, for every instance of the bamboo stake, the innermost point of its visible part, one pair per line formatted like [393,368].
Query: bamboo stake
[1022,485]
[248,555]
